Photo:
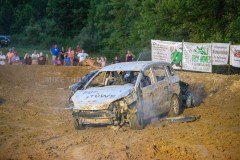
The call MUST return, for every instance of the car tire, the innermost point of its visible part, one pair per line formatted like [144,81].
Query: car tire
[78,125]
[136,120]
[175,106]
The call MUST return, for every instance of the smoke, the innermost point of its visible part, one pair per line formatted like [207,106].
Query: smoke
[198,92]
[192,94]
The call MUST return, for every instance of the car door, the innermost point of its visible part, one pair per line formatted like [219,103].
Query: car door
[147,91]
[161,89]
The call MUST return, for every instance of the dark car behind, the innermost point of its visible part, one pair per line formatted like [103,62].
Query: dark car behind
[4,41]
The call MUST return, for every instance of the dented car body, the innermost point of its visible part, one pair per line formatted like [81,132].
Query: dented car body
[129,92]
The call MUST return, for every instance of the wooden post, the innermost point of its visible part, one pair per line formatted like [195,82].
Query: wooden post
[229,66]
[211,58]
[182,55]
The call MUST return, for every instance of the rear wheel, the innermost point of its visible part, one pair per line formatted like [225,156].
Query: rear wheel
[175,107]
[136,120]
[78,125]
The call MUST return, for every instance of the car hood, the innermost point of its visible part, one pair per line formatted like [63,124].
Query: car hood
[98,98]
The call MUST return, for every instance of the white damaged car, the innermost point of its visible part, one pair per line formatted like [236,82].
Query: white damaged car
[129,92]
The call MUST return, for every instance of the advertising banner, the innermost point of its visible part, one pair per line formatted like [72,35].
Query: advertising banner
[235,55]
[167,51]
[197,57]
[220,53]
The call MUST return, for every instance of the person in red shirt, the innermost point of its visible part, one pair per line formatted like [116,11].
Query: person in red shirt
[78,49]
[129,56]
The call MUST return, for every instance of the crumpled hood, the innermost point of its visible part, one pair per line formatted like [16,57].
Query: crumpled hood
[98,98]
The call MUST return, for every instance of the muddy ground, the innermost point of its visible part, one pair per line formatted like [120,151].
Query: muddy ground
[35,125]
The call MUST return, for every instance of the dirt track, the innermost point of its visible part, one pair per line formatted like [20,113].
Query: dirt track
[34,124]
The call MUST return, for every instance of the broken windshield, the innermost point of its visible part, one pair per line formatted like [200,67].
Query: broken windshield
[107,78]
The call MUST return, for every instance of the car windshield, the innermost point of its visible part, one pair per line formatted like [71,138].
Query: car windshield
[107,78]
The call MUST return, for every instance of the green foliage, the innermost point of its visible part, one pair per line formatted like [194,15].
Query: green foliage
[88,39]
[6,19]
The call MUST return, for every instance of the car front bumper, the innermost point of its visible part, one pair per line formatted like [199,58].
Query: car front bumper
[95,117]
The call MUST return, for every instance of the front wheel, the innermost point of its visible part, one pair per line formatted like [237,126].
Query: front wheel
[175,106]
[78,125]
[136,120]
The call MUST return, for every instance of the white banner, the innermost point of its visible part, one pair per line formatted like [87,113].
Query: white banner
[167,51]
[197,57]
[220,53]
[235,55]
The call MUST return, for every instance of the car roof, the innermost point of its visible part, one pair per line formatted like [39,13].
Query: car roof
[132,66]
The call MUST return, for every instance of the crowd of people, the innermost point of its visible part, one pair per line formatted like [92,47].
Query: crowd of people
[70,57]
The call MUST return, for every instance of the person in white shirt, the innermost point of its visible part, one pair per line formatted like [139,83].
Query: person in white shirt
[81,57]
[2,59]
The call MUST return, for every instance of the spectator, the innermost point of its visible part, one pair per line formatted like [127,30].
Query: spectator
[42,59]
[129,56]
[27,59]
[75,60]
[67,60]
[57,61]
[70,53]
[55,52]
[62,57]
[2,59]
[116,60]
[47,59]
[78,49]
[103,61]
[35,57]
[13,50]
[99,61]
[81,57]
[16,59]
[10,56]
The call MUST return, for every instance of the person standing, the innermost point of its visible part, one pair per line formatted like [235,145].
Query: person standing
[10,56]
[70,53]
[129,56]
[42,59]
[55,52]
[103,61]
[78,49]
[34,57]
[116,59]
[62,57]
[67,60]
[2,58]
[82,56]
[27,59]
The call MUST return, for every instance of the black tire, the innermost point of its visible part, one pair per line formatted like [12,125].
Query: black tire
[136,120]
[175,106]
[78,125]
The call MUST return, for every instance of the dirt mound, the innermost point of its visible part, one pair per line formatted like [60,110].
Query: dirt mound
[34,124]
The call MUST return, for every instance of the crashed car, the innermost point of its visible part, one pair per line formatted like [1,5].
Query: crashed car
[128,92]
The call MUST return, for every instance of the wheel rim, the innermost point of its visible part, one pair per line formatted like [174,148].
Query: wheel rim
[175,105]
